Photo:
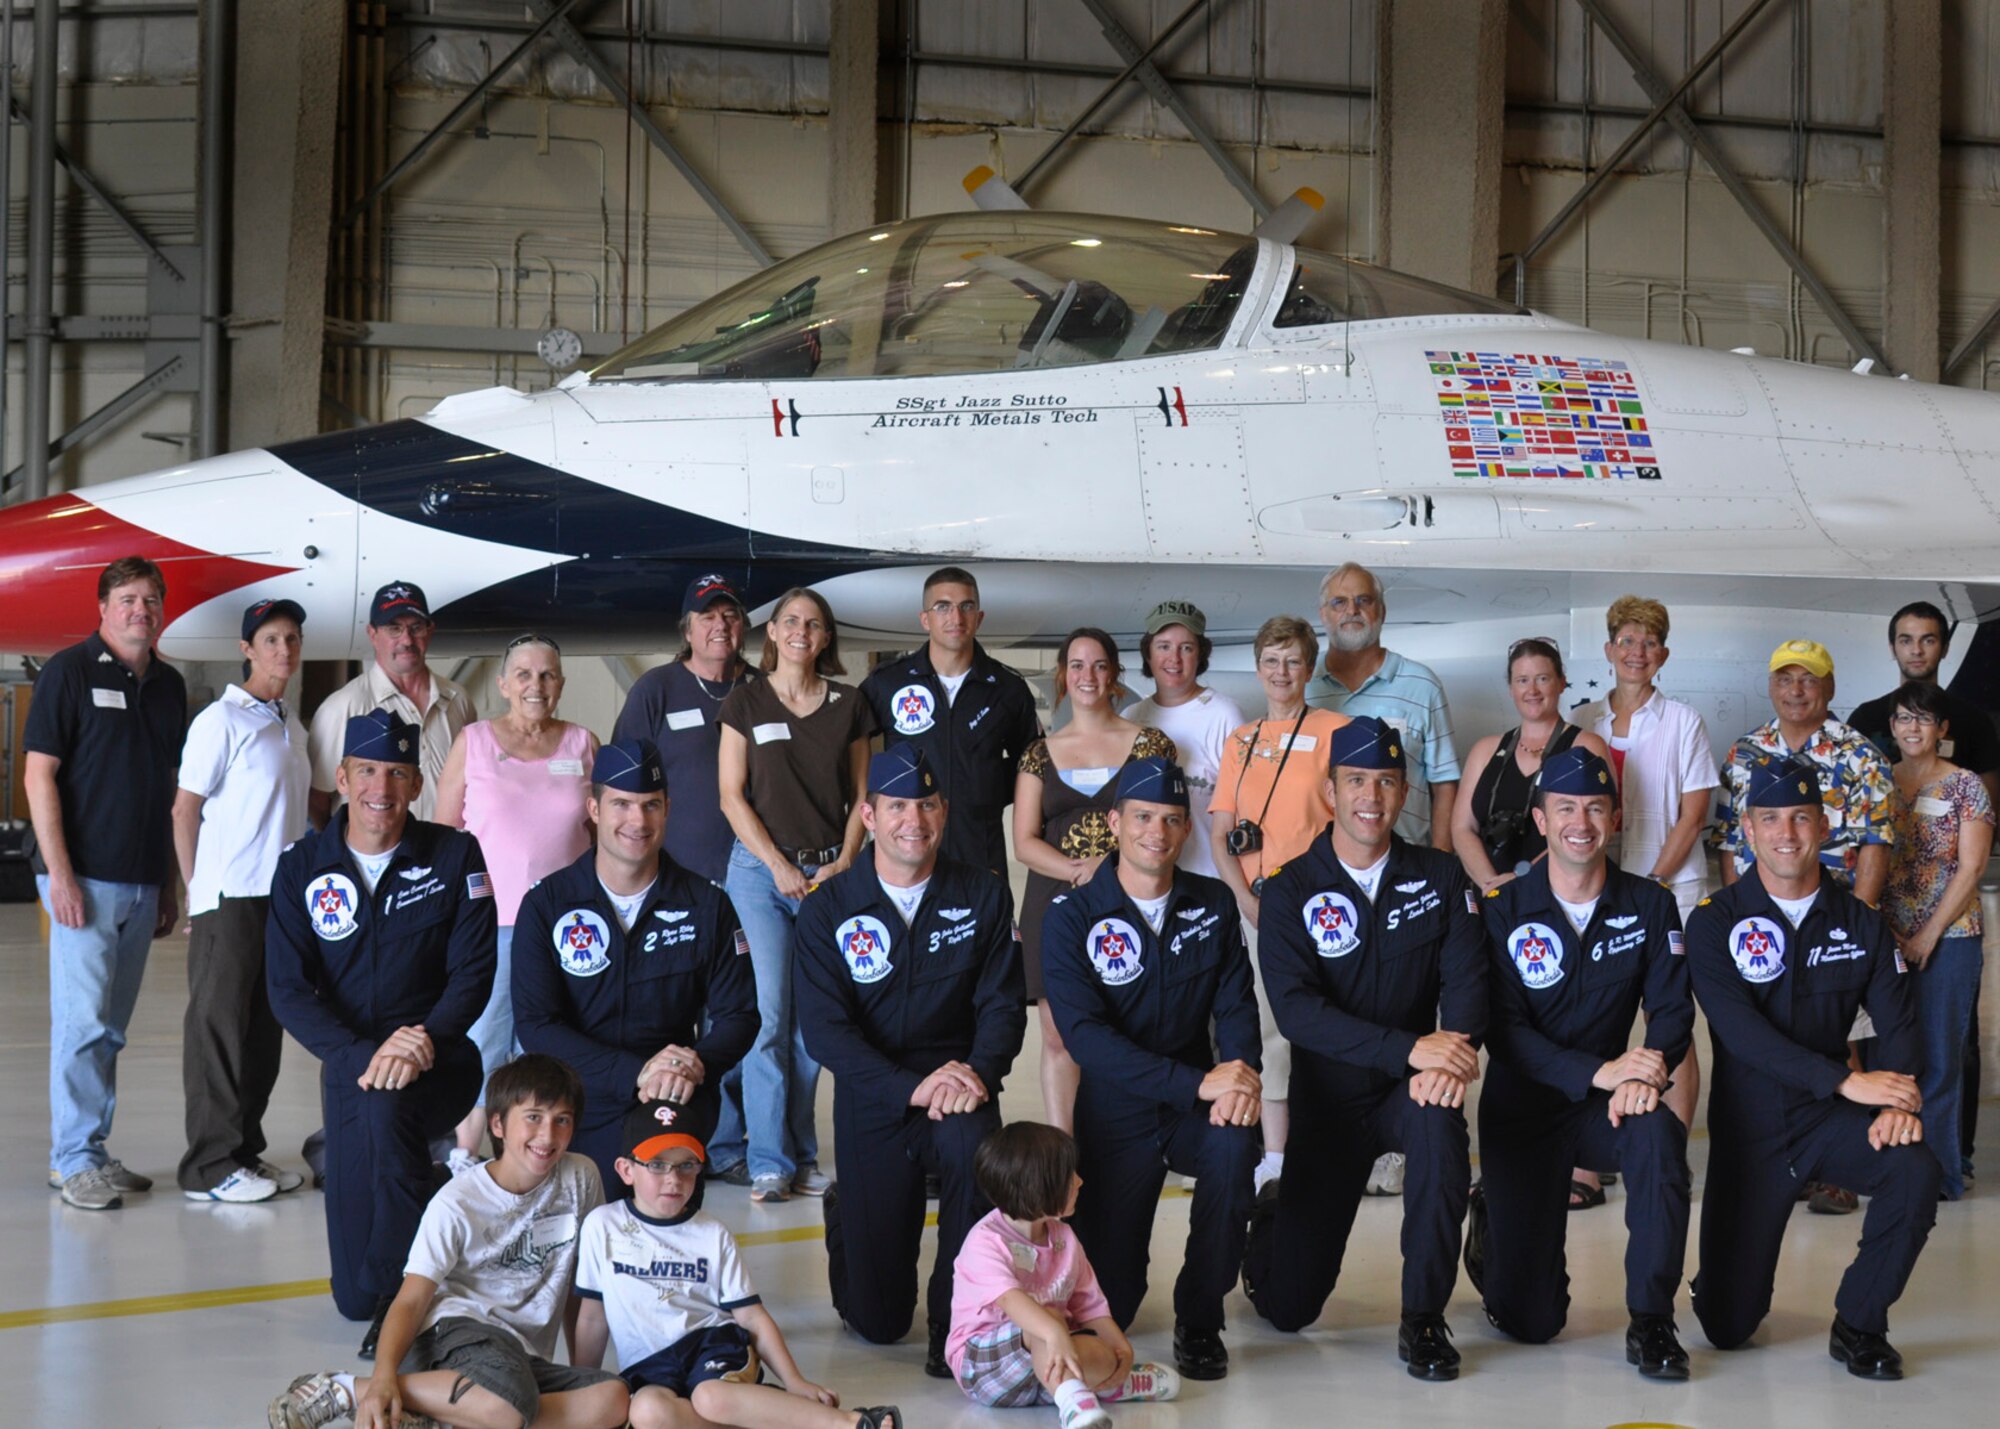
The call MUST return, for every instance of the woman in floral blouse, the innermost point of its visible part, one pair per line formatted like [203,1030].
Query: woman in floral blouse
[1061,796]
[1944,832]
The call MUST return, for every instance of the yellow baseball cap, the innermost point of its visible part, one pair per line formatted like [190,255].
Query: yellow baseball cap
[1808,655]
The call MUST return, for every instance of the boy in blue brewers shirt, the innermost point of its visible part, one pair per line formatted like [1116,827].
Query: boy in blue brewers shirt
[470,1338]
[661,1280]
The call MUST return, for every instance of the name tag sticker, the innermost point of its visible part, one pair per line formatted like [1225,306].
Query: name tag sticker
[565,766]
[1299,743]
[683,719]
[108,699]
[765,733]
[1932,808]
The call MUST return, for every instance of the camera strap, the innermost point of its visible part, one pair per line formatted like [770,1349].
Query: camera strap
[1290,740]
[1562,739]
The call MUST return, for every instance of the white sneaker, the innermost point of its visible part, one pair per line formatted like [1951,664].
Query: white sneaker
[278,1176]
[1087,1415]
[312,1401]
[241,1186]
[1146,1381]
[461,1161]
[1386,1178]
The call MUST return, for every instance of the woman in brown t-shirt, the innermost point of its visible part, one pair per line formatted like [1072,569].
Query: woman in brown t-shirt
[793,764]
[1061,797]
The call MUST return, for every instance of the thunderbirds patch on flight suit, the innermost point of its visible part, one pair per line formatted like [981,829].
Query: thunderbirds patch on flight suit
[332,905]
[913,709]
[1758,947]
[582,943]
[864,945]
[1332,924]
[1114,951]
[1537,954]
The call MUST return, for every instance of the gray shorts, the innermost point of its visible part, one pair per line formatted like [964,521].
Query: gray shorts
[493,1359]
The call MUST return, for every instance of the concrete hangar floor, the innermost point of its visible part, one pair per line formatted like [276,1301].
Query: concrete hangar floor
[176,1313]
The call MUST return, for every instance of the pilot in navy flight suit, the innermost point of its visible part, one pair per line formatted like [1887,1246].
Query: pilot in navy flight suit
[1138,963]
[1367,944]
[379,955]
[908,989]
[1562,1089]
[1780,961]
[973,730]
[619,956]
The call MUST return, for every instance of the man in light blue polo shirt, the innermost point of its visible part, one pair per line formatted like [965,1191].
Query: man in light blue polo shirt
[1361,678]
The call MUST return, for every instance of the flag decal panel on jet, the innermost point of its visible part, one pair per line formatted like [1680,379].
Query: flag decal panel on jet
[1526,414]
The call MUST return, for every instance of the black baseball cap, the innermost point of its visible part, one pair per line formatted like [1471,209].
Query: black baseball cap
[258,612]
[705,591]
[398,599]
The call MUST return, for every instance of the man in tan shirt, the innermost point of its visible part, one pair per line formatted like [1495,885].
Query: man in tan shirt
[398,680]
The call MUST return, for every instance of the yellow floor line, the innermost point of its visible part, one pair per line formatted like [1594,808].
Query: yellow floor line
[163,1304]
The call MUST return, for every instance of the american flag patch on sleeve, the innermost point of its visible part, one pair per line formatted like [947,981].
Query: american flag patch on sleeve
[1901,966]
[742,944]
[478,885]
[1471,903]
[1676,945]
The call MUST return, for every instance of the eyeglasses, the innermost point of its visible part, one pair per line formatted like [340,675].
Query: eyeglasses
[945,607]
[1638,642]
[530,639]
[672,1168]
[1909,720]
[1359,602]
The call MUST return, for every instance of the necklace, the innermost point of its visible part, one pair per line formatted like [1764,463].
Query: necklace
[727,686]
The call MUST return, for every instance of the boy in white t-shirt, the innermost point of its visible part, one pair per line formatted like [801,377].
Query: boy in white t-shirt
[661,1280]
[471,1336]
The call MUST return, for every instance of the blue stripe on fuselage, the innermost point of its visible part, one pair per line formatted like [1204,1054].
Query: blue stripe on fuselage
[631,557]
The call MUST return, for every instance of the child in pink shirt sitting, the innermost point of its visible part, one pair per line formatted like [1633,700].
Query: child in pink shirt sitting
[1028,1322]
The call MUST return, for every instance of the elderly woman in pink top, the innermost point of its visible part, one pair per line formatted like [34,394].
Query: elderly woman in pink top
[517,783]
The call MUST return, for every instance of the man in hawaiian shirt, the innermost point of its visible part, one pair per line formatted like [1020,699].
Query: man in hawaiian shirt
[1856,786]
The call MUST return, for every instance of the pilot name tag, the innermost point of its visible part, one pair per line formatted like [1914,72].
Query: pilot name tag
[558,767]
[765,733]
[683,719]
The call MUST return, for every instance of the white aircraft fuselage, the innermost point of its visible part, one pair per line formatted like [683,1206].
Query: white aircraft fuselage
[1487,463]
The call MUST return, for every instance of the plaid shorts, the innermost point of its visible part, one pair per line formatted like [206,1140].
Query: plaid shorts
[997,1369]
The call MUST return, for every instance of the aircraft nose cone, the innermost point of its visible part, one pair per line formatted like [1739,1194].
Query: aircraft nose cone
[52,552]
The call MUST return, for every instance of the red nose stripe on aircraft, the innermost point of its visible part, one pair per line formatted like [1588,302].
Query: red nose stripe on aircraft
[51,553]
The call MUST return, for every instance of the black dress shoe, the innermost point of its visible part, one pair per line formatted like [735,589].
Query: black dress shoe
[368,1340]
[1867,1355]
[1199,1354]
[1477,1223]
[934,1360]
[1651,1345]
[1423,1343]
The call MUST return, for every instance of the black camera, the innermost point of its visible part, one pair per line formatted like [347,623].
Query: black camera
[1246,837]
[1502,833]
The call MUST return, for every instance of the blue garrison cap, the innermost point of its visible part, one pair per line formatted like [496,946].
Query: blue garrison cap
[1577,771]
[1154,779]
[380,736]
[901,773]
[630,765]
[1365,742]
[1783,783]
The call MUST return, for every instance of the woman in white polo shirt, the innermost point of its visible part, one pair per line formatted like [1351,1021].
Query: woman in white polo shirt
[244,778]
[1666,779]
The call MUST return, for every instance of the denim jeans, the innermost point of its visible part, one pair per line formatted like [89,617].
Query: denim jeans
[778,1079]
[94,976]
[1947,989]
[493,1032]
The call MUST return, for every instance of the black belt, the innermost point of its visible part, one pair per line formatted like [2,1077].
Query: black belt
[811,857]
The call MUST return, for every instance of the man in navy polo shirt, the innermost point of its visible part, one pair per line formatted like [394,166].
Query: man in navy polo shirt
[379,955]
[970,715]
[1578,946]
[675,707]
[1781,960]
[1375,960]
[102,743]
[1150,986]
[908,986]
[620,958]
